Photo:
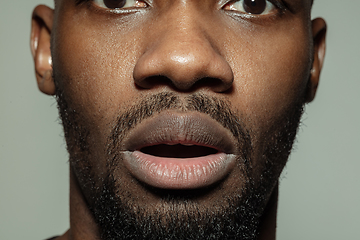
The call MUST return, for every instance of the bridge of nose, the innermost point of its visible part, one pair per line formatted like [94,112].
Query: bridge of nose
[181,48]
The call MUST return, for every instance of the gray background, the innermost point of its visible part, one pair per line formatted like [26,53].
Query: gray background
[319,189]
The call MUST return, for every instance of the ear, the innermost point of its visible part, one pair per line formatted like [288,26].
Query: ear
[319,34]
[41,25]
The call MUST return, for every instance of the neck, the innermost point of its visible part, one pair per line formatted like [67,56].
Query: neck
[82,223]
[267,228]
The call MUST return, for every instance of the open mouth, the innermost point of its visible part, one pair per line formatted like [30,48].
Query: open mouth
[178,151]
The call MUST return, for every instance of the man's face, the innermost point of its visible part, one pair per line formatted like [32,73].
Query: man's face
[180,115]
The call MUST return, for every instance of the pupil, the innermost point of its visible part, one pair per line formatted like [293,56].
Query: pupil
[254,6]
[114,3]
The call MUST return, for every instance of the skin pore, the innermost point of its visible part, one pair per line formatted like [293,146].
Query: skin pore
[161,69]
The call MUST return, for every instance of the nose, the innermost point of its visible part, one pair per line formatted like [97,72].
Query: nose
[182,54]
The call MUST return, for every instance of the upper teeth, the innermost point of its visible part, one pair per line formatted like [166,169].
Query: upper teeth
[185,144]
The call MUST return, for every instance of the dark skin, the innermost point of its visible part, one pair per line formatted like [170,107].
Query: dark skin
[260,64]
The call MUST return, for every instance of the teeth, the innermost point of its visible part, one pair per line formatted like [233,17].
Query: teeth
[187,144]
[174,143]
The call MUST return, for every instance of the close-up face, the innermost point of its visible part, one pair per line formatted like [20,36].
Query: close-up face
[181,114]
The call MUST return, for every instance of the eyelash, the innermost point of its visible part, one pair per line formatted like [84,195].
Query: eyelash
[279,4]
[77,2]
[89,4]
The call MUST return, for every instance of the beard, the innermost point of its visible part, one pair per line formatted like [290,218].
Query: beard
[178,214]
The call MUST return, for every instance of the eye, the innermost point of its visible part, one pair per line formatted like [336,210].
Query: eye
[120,4]
[256,7]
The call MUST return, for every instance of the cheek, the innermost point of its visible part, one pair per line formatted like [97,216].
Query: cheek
[95,72]
[271,73]
[96,66]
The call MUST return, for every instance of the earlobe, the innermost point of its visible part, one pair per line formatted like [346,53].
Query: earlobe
[41,25]
[319,35]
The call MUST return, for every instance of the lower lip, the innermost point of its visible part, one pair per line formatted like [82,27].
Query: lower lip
[179,173]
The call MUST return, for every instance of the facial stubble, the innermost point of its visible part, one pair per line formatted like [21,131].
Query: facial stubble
[179,216]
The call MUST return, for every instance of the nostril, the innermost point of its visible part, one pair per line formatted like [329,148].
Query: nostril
[152,81]
[185,65]
[191,85]
[215,84]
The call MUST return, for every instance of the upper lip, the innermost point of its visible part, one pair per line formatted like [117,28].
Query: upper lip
[171,127]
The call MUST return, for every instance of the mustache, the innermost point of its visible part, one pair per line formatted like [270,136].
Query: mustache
[216,108]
